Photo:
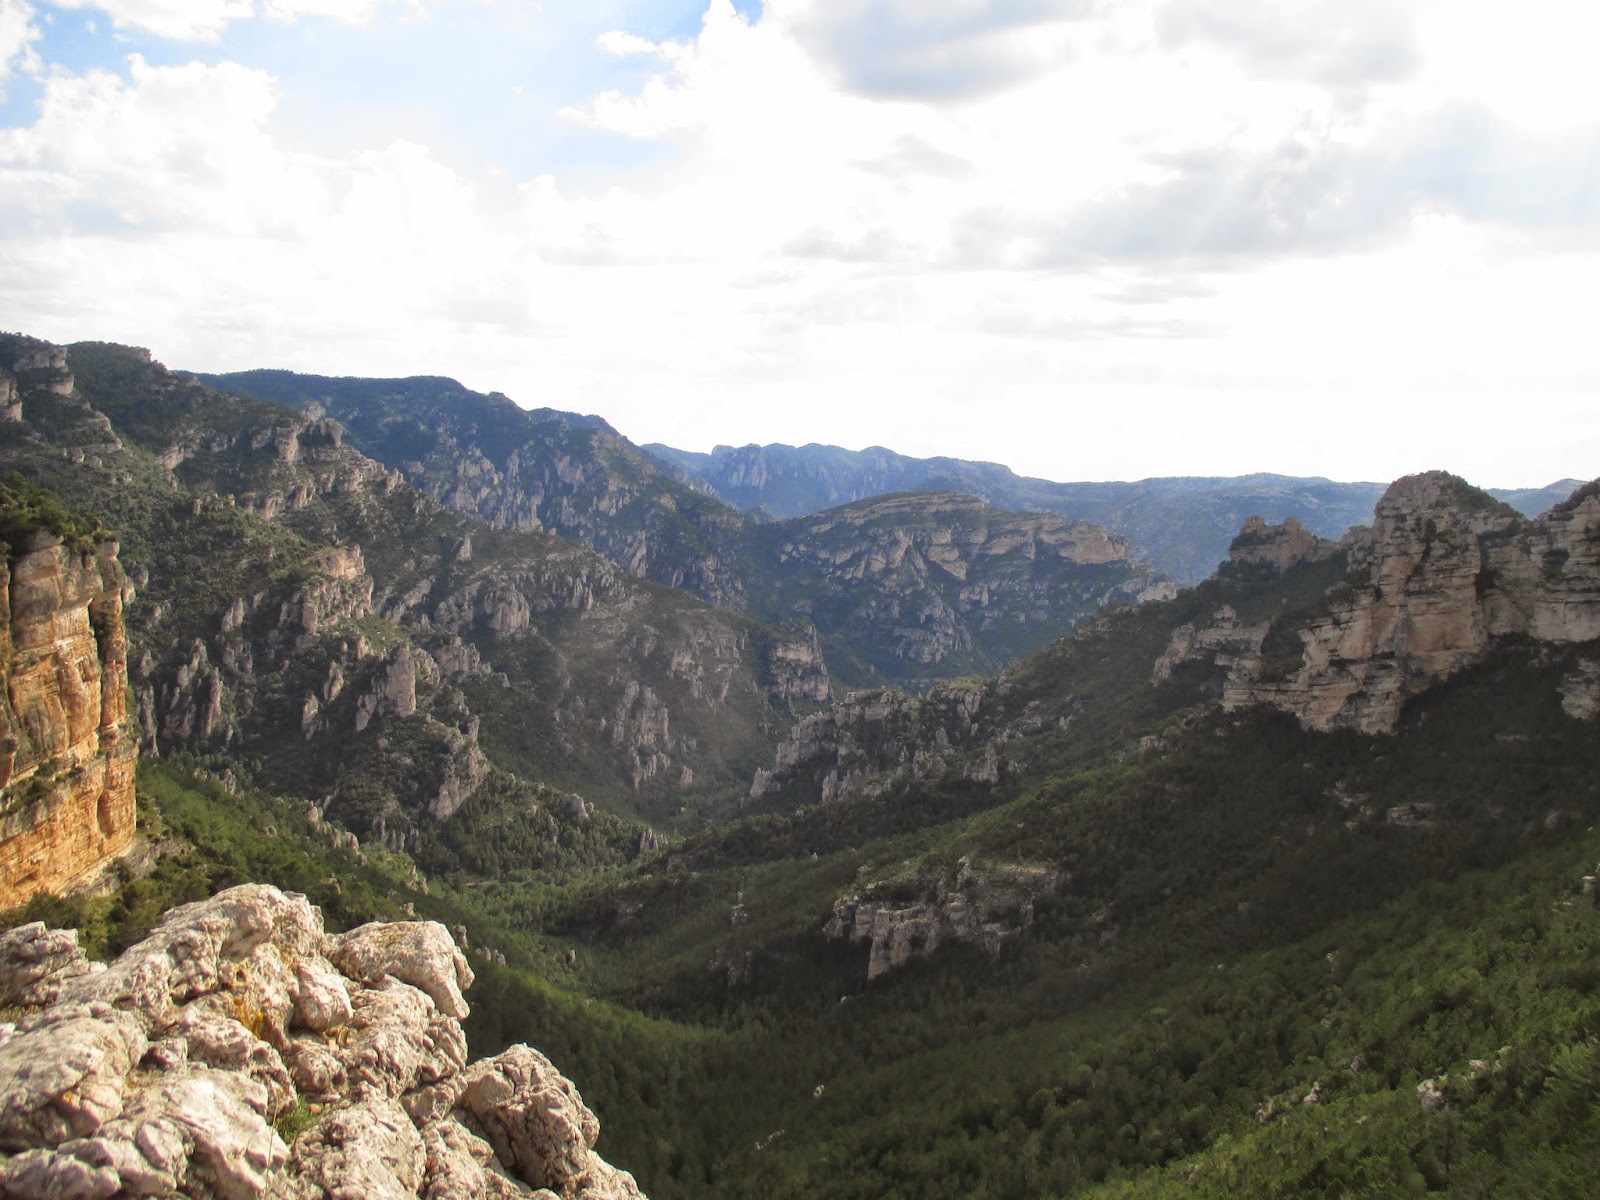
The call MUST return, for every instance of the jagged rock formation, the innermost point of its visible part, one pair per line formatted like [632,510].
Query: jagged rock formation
[176,1069]
[1222,641]
[540,470]
[1443,572]
[1263,551]
[910,917]
[66,761]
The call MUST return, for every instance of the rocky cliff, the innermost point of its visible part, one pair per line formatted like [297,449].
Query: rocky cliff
[911,916]
[539,470]
[66,760]
[240,1051]
[870,741]
[1442,574]
[302,608]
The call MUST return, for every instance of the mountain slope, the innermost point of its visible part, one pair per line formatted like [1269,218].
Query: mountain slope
[301,609]
[1003,874]
[905,625]
[913,588]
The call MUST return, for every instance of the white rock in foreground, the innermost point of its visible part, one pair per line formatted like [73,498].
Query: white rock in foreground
[164,1074]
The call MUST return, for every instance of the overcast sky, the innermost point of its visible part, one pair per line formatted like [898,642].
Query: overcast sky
[1091,239]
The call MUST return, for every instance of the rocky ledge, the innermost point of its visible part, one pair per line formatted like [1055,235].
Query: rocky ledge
[240,1051]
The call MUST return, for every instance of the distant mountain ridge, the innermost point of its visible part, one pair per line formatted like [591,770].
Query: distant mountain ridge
[1180,525]
[902,589]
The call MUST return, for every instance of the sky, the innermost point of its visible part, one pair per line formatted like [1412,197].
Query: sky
[1090,239]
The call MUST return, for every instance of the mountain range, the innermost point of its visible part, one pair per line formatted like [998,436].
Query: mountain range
[1181,526]
[950,851]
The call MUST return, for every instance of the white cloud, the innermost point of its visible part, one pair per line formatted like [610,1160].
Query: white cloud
[1336,42]
[348,12]
[945,51]
[621,43]
[17,35]
[1150,229]
[170,147]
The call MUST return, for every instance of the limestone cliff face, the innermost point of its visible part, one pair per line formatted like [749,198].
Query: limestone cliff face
[1443,571]
[66,761]
[168,1072]
[904,919]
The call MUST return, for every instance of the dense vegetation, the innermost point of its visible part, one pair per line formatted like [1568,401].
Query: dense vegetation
[26,508]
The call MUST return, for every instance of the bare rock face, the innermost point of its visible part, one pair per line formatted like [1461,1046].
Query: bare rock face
[1223,641]
[1262,550]
[394,689]
[863,744]
[911,917]
[165,1073]
[1580,692]
[539,1126]
[1443,571]
[66,760]
[935,579]
[798,672]
[421,953]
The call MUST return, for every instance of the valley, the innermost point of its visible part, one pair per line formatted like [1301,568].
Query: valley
[916,837]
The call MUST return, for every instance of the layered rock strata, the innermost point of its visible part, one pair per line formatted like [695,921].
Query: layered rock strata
[241,1052]
[66,761]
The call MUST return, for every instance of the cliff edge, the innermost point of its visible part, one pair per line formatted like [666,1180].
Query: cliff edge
[66,761]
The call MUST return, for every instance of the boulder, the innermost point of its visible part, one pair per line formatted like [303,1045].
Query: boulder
[420,953]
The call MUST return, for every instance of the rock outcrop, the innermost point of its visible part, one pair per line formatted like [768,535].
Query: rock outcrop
[1223,641]
[910,917]
[1263,551]
[66,760]
[872,740]
[241,1052]
[1441,575]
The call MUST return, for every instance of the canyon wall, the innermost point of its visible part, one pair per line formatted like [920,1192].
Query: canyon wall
[66,762]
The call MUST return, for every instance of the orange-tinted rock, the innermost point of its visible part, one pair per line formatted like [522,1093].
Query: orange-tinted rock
[66,761]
